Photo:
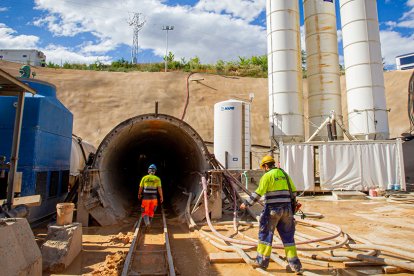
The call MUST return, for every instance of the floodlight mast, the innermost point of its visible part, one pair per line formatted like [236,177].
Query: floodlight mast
[166,28]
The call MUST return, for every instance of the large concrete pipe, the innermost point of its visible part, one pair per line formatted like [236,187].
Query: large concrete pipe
[110,187]
[285,71]
[367,111]
[324,89]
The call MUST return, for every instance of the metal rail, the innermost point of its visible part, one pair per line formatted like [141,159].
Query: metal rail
[145,258]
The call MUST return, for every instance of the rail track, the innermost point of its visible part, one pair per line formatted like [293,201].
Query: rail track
[150,251]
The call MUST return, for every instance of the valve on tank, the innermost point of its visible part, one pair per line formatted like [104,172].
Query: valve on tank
[25,71]
[91,157]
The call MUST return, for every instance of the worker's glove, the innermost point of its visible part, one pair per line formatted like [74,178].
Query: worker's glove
[298,205]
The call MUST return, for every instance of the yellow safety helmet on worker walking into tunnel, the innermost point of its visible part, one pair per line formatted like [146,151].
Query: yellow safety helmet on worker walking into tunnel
[267,159]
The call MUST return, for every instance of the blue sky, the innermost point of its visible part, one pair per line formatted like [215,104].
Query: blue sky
[86,31]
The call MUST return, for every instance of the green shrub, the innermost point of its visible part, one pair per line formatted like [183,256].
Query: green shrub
[255,66]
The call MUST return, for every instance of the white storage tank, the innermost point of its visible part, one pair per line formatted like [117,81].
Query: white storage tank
[79,154]
[368,117]
[324,90]
[232,134]
[285,71]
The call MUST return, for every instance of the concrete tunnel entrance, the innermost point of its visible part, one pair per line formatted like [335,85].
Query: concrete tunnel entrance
[124,156]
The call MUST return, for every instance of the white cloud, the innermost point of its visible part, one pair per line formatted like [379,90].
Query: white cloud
[339,35]
[100,48]
[3,9]
[391,24]
[58,27]
[394,44]
[54,53]
[201,31]
[11,40]
[406,23]
[341,59]
[245,9]
[59,54]
[407,19]
[303,37]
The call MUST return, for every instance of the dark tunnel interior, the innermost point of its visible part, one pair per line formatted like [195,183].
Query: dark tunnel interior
[132,148]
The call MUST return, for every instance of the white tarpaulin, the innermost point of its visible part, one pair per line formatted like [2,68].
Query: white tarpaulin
[361,166]
[379,165]
[297,161]
[340,167]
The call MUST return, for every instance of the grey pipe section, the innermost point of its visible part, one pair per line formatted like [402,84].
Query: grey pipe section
[366,258]
[365,241]
[15,149]
[20,211]
[402,253]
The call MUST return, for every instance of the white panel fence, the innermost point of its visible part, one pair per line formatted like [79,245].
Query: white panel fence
[341,165]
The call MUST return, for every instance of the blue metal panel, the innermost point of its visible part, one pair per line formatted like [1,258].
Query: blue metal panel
[52,151]
[28,181]
[46,134]
[45,143]
[42,88]
[55,118]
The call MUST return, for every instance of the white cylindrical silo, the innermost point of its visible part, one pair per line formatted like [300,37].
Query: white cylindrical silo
[285,70]
[367,114]
[323,74]
[232,134]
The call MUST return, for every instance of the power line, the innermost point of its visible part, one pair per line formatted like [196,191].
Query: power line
[137,22]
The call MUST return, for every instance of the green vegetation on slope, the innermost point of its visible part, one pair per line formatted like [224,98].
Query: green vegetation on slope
[256,66]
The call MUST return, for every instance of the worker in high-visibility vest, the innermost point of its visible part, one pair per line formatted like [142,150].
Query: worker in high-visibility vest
[277,214]
[148,188]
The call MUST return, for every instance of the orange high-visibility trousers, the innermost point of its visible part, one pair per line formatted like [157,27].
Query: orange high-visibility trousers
[149,206]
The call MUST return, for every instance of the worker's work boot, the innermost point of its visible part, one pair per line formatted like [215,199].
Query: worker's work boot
[256,264]
[297,269]
[299,272]
[296,265]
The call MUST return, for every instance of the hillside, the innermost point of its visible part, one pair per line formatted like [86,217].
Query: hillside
[101,100]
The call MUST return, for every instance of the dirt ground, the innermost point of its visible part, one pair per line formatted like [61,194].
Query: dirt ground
[378,221]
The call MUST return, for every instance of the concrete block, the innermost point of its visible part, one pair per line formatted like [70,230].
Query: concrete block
[63,244]
[346,195]
[19,253]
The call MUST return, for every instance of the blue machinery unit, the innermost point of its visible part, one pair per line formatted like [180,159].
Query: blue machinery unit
[45,145]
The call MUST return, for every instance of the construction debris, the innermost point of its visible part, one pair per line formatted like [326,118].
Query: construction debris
[112,265]
[121,238]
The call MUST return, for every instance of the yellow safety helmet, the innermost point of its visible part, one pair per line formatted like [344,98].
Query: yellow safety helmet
[267,159]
